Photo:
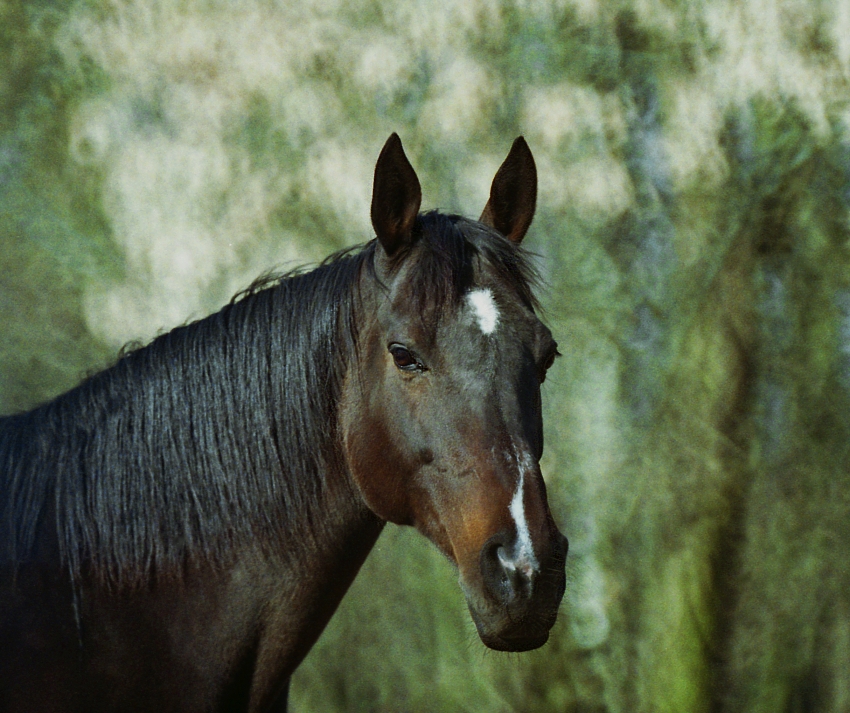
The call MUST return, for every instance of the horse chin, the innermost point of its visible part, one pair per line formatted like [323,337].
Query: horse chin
[513,645]
[504,635]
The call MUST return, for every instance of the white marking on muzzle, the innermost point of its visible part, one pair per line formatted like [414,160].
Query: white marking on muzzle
[485,309]
[524,549]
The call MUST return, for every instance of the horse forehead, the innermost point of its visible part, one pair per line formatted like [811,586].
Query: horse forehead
[484,308]
[501,316]
[485,312]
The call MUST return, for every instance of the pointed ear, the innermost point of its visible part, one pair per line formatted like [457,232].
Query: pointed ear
[396,196]
[513,194]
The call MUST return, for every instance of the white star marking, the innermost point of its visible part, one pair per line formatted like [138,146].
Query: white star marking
[485,309]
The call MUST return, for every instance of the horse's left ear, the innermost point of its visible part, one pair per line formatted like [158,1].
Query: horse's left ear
[513,195]
[396,196]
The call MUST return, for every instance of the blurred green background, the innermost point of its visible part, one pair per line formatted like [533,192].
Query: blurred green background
[694,162]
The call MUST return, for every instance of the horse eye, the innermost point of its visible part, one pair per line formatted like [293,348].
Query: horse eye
[403,358]
[548,363]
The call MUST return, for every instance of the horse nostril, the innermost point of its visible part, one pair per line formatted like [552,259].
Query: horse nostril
[518,575]
[506,577]
[504,560]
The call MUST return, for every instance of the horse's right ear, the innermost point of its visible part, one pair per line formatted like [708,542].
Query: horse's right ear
[396,196]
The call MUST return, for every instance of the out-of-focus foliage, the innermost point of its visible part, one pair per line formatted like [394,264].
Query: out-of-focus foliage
[155,155]
[53,238]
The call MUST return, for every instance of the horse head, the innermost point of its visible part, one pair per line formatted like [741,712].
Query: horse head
[442,424]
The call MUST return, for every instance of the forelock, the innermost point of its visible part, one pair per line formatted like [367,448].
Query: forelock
[445,252]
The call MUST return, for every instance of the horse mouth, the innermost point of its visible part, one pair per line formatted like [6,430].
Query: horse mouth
[514,637]
[518,618]
[517,645]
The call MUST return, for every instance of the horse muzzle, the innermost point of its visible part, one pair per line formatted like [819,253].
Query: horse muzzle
[519,598]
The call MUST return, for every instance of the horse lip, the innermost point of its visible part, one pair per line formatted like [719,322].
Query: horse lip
[519,628]
[515,643]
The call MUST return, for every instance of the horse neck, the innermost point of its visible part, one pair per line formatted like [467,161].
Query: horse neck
[220,432]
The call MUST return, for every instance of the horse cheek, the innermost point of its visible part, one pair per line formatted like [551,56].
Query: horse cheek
[377,469]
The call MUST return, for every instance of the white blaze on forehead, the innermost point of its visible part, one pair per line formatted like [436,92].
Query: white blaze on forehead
[484,307]
[524,548]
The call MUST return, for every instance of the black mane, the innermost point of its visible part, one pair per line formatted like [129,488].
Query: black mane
[219,430]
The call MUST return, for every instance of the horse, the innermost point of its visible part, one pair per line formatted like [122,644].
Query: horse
[177,530]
